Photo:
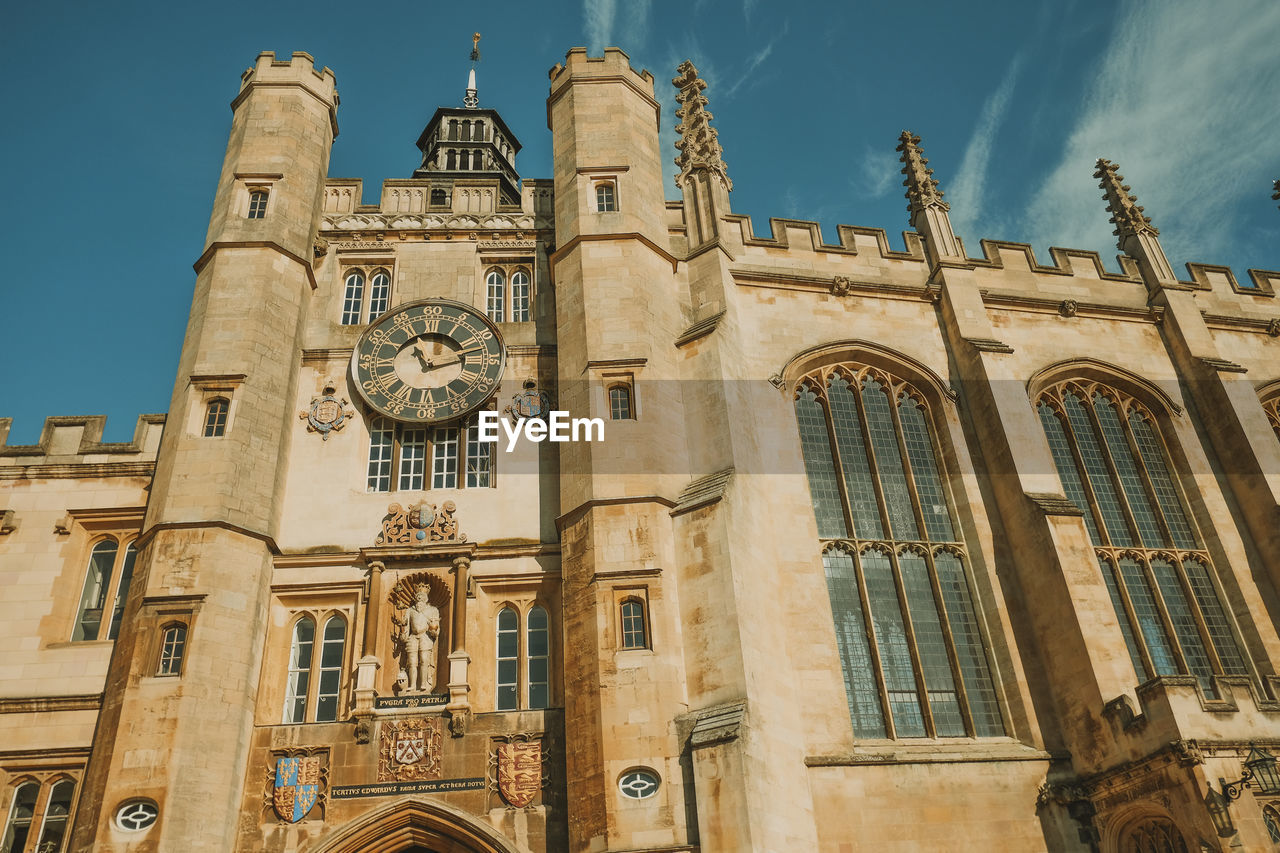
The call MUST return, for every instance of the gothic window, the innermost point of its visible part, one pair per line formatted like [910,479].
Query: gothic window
[911,648]
[605,198]
[173,645]
[519,297]
[477,131]
[1272,408]
[438,198]
[451,159]
[453,128]
[635,633]
[408,457]
[323,670]
[535,656]
[258,204]
[1271,818]
[1157,835]
[106,580]
[495,295]
[361,304]
[466,131]
[215,417]
[620,403]
[33,815]
[1113,465]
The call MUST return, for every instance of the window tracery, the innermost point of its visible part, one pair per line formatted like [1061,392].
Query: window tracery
[1156,835]
[1110,456]
[366,295]
[911,647]
[319,703]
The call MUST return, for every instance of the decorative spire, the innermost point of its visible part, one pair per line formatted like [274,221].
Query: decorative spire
[472,100]
[699,148]
[1126,213]
[922,187]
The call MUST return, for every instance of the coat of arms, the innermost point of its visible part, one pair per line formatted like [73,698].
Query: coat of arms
[529,403]
[410,750]
[520,771]
[421,524]
[297,785]
[327,413]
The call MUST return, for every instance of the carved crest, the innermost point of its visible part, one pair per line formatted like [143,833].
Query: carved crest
[297,786]
[531,403]
[410,750]
[1068,308]
[327,413]
[420,524]
[840,286]
[519,764]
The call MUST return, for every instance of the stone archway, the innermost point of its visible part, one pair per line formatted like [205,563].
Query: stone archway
[416,826]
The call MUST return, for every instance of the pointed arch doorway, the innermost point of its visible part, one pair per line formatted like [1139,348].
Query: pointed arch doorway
[416,826]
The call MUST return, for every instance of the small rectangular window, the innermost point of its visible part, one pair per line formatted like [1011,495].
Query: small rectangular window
[258,204]
[172,648]
[635,634]
[444,465]
[620,403]
[215,417]
[606,200]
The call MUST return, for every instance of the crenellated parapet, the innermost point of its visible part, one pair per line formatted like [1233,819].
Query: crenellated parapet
[70,442]
[698,142]
[299,70]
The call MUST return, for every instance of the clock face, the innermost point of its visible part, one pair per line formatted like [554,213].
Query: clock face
[428,361]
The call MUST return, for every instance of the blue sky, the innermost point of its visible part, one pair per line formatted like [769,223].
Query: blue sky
[117,118]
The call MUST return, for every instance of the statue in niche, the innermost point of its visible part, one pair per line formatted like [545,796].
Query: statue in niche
[415,634]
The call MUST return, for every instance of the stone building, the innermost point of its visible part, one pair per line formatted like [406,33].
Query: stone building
[931,549]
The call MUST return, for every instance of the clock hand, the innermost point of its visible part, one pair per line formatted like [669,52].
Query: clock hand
[423,361]
[454,358]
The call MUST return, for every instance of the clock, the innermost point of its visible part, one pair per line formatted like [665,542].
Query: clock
[428,361]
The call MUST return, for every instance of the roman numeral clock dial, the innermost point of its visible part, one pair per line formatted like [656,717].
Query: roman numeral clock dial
[429,361]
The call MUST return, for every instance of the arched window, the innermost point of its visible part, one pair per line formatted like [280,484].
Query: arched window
[539,651]
[22,813]
[173,647]
[477,131]
[466,131]
[438,198]
[495,295]
[56,812]
[215,417]
[451,159]
[635,633]
[1272,408]
[331,653]
[1113,466]
[911,649]
[520,297]
[353,298]
[1157,835]
[453,128]
[620,403]
[258,204]
[605,200]
[508,662]
[1271,818]
[122,591]
[295,700]
[97,585]
[379,294]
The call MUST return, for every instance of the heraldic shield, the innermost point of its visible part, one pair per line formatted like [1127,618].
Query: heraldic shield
[520,771]
[296,788]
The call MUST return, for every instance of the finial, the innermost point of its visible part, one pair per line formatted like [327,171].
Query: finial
[698,145]
[1126,213]
[471,100]
[922,187]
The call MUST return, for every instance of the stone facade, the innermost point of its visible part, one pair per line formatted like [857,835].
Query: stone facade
[676,638]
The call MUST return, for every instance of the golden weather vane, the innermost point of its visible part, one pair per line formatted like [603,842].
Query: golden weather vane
[475,47]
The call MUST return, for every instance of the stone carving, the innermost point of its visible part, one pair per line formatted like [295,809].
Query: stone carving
[840,286]
[299,780]
[531,403]
[922,187]
[320,247]
[1058,794]
[516,768]
[459,722]
[1125,211]
[420,524]
[1273,328]
[8,524]
[364,730]
[698,143]
[1187,752]
[327,413]
[410,750]
[1068,308]
[415,637]
[430,221]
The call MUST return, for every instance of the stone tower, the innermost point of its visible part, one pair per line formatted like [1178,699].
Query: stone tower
[215,504]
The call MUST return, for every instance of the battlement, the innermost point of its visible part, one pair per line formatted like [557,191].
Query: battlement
[614,63]
[77,440]
[299,71]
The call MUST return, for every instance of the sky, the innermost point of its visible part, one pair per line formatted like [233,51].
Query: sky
[116,121]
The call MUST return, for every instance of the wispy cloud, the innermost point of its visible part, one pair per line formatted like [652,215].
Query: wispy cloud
[1184,101]
[748,6]
[605,27]
[878,173]
[968,189]
[753,62]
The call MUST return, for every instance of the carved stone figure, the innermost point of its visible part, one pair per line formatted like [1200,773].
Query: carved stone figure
[417,633]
